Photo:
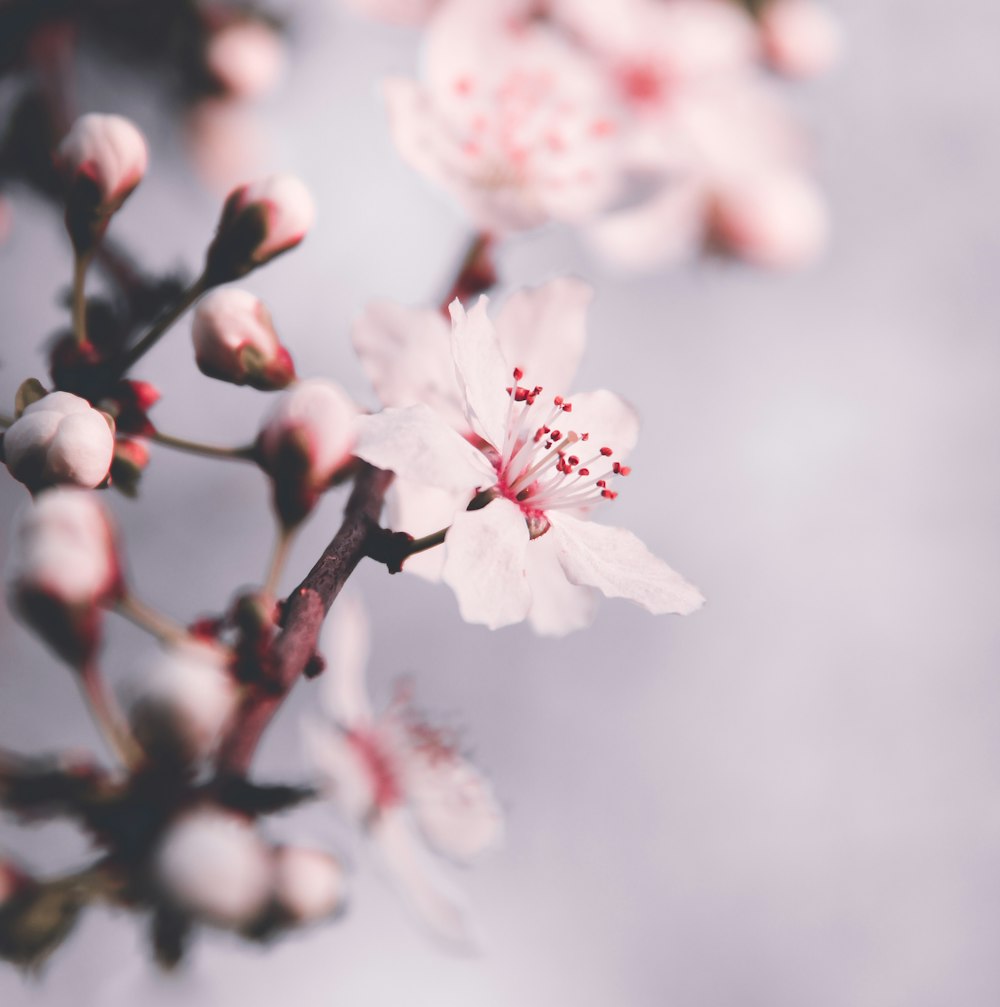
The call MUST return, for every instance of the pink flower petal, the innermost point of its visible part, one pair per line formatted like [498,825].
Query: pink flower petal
[484,564]
[557,606]
[620,566]
[422,510]
[610,421]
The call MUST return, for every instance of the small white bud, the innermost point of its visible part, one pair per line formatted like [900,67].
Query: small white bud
[60,438]
[180,706]
[234,340]
[213,864]
[309,885]
[259,221]
[305,440]
[246,57]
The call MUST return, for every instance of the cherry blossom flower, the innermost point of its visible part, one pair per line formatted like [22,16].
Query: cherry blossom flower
[234,340]
[395,11]
[182,702]
[63,567]
[212,863]
[521,545]
[800,38]
[401,781]
[406,353]
[510,119]
[246,57]
[309,885]
[60,439]
[306,440]
[259,221]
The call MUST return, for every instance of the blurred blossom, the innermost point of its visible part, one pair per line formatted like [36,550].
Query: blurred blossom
[400,780]
[212,863]
[245,57]
[309,885]
[180,704]
[227,141]
[60,439]
[519,544]
[800,38]
[395,11]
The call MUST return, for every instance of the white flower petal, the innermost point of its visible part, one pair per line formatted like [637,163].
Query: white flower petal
[543,332]
[406,353]
[454,805]
[483,373]
[557,606]
[610,421]
[620,566]
[417,444]
[345,641]
[484,564]
[431,894]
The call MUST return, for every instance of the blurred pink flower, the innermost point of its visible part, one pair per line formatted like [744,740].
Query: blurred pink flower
[400,780]
[510,118]
[800,38]
[246,57]
[519,545]
[395,11]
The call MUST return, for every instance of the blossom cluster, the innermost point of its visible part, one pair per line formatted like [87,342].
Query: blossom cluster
[653,126]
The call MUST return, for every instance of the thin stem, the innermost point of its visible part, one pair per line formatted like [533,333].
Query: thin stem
[426,542]
[108,716]
[80,264]
[243,454]
[148,618]
[282,545]
[476,272]
[152,337]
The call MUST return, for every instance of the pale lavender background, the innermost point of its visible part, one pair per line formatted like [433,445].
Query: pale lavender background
[790,798]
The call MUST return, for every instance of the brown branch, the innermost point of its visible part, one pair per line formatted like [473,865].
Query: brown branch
[476,272]
[305,610]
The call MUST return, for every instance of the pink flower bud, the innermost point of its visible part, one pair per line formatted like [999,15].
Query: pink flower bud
[213,864]
[800,38]
[246,58]
[234,340]
[308,884]
[305,441]
[63,568]
[778,221]
[180,706]
[105,157]
[259,221]
[60,438]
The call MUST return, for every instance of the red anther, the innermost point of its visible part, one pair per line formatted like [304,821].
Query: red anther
[584,437]
[537,390]
[521,394]
[609,494]
[624,470]
[518,374]
[567,407]
[557,435]
[602,483]
[558,400]
[547,429]
[509,390]
[539,434]
[584,472]
[573,460]
[607,452]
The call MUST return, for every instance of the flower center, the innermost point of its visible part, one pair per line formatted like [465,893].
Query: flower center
[538,467]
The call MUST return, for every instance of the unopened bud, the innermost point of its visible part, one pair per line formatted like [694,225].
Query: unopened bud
[305,441]
[105,157]
[800,38]
[234,340]
[180,706]
[213,864]
[778,221]
[309,885]
[246,58]
[259,221]
[60,439]
[130,461]
[63,568]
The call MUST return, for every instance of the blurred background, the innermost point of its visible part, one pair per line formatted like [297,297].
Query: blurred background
[789,798]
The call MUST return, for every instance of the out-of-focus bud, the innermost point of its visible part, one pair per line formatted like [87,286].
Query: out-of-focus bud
[60,439]
[130,461]
[305,441]
[234,340]
[213,864]
[105,157]
[180,706]
[259,221]
[309,885]
[12,881]
[800,38]
[63,568]
[246,58]
[780,221]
